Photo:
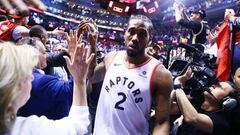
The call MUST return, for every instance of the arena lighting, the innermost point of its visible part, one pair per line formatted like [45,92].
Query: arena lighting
[118,29]
[117,8]
[146,1]
[156,4]
[110,4]
[127,9]
[128,1]
[151,8]
[145,9]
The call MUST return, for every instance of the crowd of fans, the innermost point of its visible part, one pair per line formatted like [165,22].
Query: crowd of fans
[191,5]
[53,71]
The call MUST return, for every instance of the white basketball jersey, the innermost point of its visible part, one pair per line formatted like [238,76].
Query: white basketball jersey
[125,100]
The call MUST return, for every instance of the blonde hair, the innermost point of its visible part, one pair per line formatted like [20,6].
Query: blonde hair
[16,62]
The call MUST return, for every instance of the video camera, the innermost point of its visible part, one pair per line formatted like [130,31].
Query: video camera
[202,65]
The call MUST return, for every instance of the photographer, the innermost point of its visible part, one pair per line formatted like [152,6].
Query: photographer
[199,28]
[211,118]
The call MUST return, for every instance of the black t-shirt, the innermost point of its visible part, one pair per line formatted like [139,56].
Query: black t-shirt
[196,27]
[234,119]
[220,122]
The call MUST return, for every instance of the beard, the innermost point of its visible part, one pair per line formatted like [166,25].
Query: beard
[135,52]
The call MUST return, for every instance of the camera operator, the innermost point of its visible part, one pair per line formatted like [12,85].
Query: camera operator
[211,118]
[234,114]
[199,28]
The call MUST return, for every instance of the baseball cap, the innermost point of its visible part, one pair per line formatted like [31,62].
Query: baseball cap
[199,11]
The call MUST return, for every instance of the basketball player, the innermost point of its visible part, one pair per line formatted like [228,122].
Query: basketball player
[131,79]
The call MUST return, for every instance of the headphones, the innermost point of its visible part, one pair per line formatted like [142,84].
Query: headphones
[230,102]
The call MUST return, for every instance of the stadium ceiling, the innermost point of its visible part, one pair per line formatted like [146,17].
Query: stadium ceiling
[164,5]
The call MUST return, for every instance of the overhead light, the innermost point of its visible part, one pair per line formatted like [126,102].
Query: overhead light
[110,4]
[156,4]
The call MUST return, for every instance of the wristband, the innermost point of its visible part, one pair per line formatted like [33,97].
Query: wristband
[177,86]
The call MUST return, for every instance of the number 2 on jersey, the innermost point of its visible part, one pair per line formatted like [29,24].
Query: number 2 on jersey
[118,104]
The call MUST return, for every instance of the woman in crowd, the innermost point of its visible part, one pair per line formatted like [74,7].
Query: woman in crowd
[16,65]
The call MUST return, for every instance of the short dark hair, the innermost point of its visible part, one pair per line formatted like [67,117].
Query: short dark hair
[143,18]
[37,31]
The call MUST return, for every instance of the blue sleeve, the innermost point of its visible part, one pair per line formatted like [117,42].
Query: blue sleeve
[51,87]
[49,96]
